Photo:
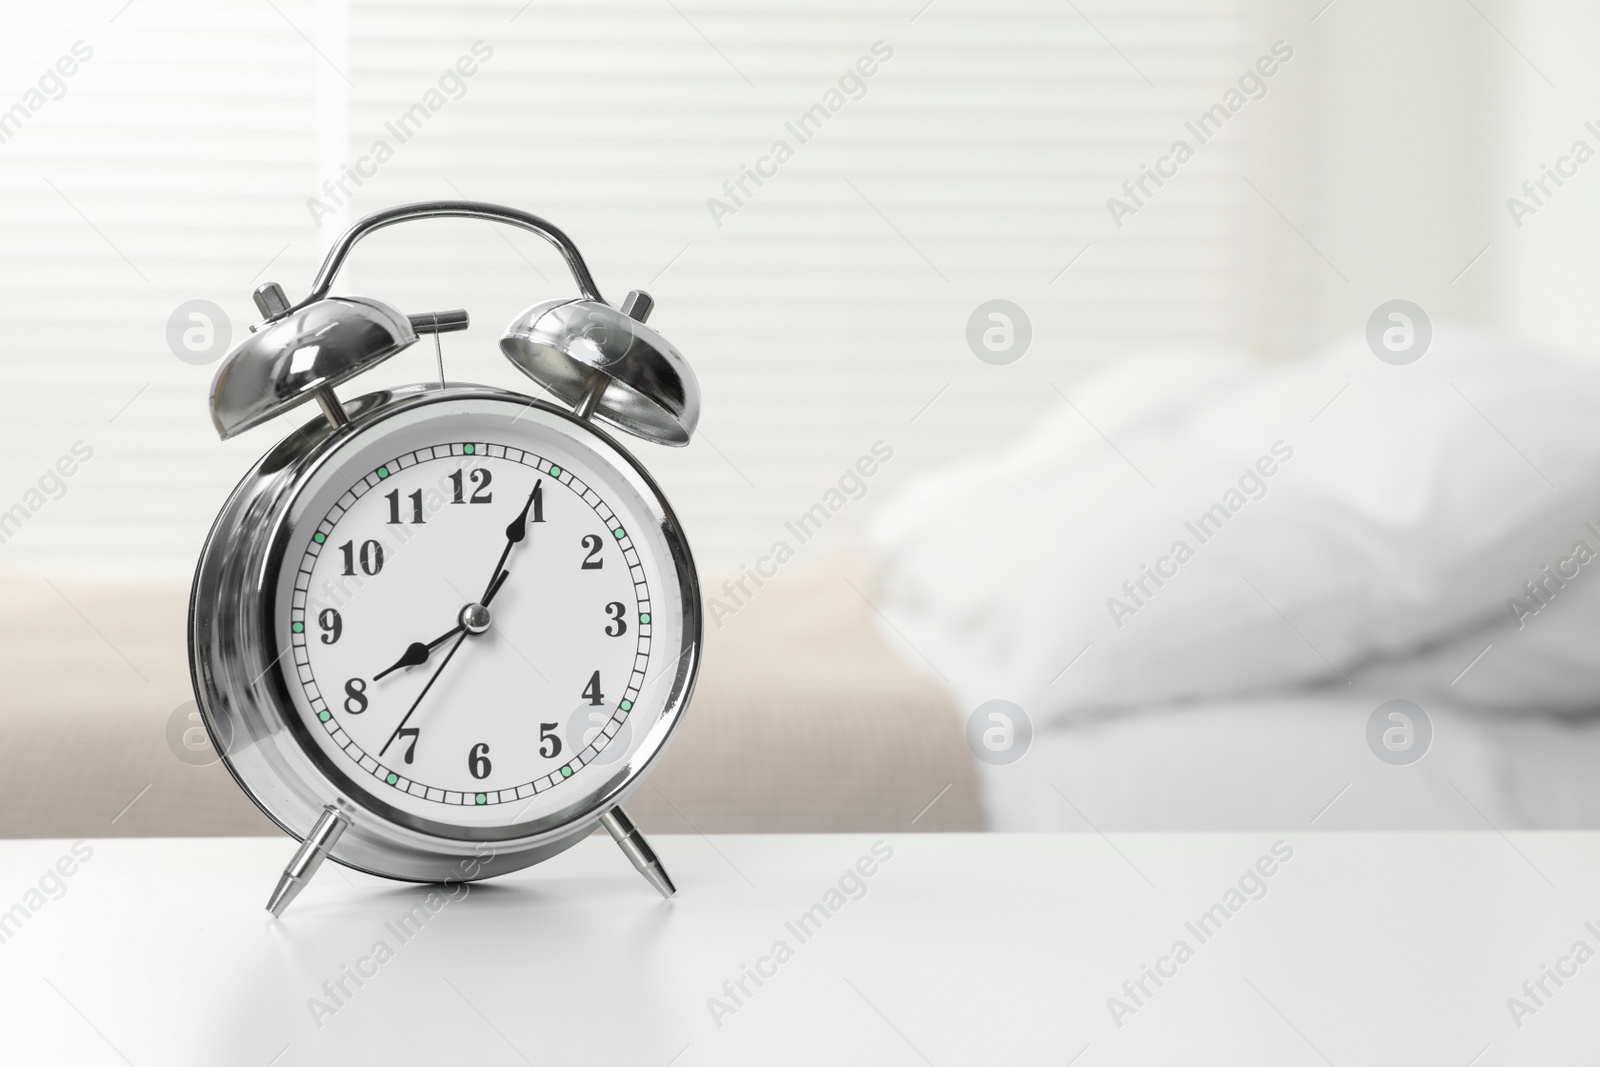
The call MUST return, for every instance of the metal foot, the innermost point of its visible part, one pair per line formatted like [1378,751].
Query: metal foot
[637,849]
[313,850]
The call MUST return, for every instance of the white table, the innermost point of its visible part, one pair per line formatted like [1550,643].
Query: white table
[1366,949]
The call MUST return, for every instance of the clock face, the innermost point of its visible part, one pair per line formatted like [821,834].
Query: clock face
[479,615]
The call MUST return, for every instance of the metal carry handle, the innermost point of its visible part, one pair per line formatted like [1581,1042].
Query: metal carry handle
[451,209]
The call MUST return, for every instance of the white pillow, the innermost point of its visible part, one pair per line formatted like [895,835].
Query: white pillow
[1332,513]
[1538,654]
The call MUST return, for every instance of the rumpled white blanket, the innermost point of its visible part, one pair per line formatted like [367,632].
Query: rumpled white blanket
[1189,525]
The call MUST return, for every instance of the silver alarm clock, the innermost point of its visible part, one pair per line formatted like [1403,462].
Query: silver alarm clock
[442,631]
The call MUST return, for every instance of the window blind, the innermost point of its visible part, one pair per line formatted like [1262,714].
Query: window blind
[824,307]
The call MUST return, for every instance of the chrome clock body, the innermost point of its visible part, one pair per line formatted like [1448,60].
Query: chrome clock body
[238,652]
[305,757]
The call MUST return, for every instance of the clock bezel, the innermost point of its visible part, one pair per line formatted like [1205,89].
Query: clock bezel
[250,714]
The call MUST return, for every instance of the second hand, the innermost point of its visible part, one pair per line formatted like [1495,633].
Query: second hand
[442,665]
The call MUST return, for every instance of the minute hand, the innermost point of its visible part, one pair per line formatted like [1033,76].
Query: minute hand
[514,534]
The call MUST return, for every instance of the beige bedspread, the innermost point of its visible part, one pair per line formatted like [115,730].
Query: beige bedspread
[803,721]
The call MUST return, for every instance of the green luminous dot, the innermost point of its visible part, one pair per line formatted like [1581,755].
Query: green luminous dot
[383,472]
[298,627]
[566,772]
[324,716]
[644,618]
[469,450]
[620,532]
[319,537]
[555,471]
[481,798]
[627,705]
[391,778]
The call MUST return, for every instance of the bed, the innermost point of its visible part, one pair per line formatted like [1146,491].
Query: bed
[806,720]
[1419,533]
[803,721]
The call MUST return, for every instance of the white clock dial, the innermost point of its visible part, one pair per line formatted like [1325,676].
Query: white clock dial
[481,618]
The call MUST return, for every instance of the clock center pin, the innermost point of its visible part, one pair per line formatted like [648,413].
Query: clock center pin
[474,618]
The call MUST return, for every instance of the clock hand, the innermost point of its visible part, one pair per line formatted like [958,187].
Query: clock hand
[440,670]
[495,588]
[515,532]
[416,653]
[514,535]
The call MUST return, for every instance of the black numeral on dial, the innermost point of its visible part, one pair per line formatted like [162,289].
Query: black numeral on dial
[355,696]
[410,733]
[478,764]
[591,692]
[593,543]
[371,557]
[481,477]
[332,625]
[393,497]
[549,743]
[617,626]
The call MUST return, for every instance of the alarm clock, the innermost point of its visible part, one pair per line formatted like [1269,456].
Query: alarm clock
[441,632]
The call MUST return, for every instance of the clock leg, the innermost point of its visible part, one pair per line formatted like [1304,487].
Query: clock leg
[313,850]
[637,849]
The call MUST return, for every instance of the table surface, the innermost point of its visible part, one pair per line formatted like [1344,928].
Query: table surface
[920,949]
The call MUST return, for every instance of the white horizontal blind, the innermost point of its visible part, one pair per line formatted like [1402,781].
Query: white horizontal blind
[825,313]
[828,309]
[170,170]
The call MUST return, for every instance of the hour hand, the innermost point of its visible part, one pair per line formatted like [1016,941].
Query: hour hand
[474,619]
[416,653]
